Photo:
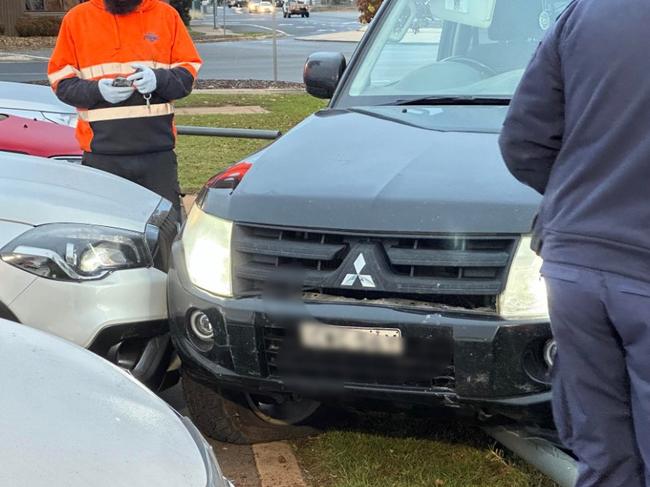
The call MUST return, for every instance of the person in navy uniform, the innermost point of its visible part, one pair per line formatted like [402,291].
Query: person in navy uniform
[578,131]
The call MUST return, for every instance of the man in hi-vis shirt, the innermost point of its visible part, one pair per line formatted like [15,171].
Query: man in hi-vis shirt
[126,127]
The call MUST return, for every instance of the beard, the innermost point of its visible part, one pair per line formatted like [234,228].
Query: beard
[121,7]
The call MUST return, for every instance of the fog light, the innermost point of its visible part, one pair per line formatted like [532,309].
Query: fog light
[201,326]
[550,352]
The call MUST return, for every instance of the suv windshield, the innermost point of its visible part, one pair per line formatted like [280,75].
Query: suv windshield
[453,49]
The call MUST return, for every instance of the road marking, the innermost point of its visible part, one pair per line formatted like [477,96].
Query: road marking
[265,28]
[277,465]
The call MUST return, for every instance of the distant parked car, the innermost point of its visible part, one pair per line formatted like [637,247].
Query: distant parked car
[295,7]
[71,419]
[26,136]
[84,255]
[35,102]
[237,3]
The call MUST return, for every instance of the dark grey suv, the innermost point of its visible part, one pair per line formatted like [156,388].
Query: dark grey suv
[379,252]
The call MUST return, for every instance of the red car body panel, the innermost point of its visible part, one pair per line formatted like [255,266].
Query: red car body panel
[44,139]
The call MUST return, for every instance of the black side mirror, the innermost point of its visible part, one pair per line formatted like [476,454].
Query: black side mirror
[323,71]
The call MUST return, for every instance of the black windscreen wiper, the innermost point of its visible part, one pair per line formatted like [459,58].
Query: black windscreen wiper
[453,100]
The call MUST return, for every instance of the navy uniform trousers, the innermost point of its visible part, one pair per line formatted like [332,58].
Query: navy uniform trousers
[601,377]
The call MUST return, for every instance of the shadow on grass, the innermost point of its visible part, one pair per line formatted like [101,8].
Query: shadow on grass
[436,447]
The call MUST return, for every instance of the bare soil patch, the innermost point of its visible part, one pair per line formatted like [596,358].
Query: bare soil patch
[227,110]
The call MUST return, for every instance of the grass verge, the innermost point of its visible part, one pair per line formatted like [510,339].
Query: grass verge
[398,451]
[202,157]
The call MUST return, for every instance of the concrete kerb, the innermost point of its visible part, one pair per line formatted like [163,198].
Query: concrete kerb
[353,36]
[218,35]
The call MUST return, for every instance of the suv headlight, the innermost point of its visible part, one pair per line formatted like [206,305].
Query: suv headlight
[525,293]
[206,245]
[71,252]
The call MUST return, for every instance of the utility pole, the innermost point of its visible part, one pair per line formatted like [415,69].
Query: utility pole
[275,45]
[214,14]
[223,5]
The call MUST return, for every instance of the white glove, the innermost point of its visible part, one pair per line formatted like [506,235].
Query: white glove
[114,94]
[144,80]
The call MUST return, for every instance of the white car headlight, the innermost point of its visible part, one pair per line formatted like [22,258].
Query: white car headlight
[206,244]
[71,252]
[525,293]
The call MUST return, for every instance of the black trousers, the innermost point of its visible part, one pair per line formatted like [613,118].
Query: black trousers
[156,171]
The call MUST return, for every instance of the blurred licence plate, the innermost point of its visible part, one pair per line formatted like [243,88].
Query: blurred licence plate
[379,341]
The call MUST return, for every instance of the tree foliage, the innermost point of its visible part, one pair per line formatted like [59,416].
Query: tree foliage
[368,9]
[183,7]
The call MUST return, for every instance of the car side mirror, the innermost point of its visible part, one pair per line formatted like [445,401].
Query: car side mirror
[323,71]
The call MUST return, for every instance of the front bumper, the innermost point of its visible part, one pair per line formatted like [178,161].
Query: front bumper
[78,312]
[122,318]
[498,365]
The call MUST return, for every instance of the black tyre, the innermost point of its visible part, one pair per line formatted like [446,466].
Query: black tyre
[235,417]
[307,14]
[284,14]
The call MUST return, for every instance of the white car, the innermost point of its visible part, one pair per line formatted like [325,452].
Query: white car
[84,255]
[72,419]
[35,102]
[265,7]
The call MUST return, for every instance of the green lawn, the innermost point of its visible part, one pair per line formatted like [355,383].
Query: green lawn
[202,157]
[397,451]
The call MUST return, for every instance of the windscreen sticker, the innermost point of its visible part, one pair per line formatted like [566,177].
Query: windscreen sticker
[457,6]
[545,20]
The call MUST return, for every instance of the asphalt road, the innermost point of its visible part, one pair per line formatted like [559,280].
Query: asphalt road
[253,59]
[240,21]
[237,59]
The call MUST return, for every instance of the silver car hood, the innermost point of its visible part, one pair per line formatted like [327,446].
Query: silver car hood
[70,418]
[37,191]
[26,97]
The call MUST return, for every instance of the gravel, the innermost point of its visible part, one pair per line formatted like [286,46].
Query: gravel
[240,84]
[232,84]
[13,43]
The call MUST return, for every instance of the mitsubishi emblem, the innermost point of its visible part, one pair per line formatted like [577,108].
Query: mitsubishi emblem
[365,279]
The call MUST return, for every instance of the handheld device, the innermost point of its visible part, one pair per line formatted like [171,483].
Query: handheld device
[122,82]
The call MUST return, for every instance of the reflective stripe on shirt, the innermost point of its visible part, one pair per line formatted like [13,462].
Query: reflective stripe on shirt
[119,113]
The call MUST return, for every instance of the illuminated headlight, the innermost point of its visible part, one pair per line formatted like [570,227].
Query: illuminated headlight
[525,293]
[70,252]
[206,244]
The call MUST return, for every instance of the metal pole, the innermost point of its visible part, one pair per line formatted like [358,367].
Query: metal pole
[540,453]
[214,14]
[228,132]
[223,5]
[275,45]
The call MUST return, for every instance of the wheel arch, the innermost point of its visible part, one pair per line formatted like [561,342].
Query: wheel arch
[7,314]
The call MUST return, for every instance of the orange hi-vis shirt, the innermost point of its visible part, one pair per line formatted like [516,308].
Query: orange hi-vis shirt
[95,44]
